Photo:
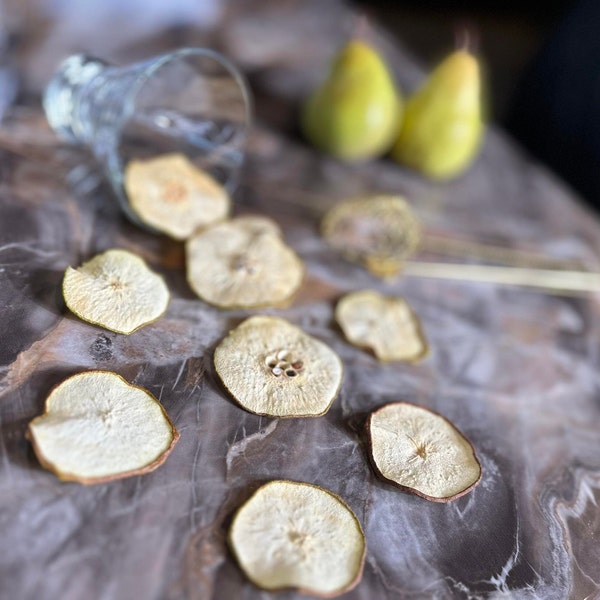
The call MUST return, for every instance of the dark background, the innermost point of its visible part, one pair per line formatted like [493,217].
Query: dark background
[510,34]
[541,64]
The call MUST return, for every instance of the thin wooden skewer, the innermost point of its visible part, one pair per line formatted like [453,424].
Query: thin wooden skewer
[558,280]
[500,255]
[548,279]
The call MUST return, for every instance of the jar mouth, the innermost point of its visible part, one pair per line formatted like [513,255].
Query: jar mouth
[153,66]
[212,109]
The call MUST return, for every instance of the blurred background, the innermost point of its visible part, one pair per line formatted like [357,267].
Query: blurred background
[543,77]
[509,34]
[543,72]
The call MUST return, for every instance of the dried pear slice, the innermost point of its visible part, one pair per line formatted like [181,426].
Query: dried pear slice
[257,225]
[379,232]
[273,368]
[383,324]
[300,536]
[173,196]
[243,263]
[97,427]
[115,290]
[422,452]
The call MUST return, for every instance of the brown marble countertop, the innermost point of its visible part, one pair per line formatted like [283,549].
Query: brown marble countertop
[518,371]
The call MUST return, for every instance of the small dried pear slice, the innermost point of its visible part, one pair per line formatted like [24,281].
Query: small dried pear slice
[386,325]
[173,196]
[97,427]
[115,290]
[273,368]
[379,232]
[243,263]
[421,452]
[257,225]
[300,536]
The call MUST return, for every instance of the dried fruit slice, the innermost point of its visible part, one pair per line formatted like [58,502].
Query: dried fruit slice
[115,290]
[96,427]
[257,225]
[421,452]
[173,196]
[243,263]
[379,232]
[386,325]
[297,535]
[273,368]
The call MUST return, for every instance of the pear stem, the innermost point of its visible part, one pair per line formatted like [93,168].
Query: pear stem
[362,26]
[466,37]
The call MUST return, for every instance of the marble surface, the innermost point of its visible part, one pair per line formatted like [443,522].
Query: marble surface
[517,371]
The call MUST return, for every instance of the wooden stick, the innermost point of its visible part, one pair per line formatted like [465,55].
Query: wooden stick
[500,255]
[547,279]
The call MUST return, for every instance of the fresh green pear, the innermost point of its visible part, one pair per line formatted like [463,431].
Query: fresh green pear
[355,114]
[443,128]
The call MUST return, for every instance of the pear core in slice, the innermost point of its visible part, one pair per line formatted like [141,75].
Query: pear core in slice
[379,232]
[273,368]
[243,263]
[297,535]
[171,195]
[386,325]
[421,452]
[115,290]
[97,427]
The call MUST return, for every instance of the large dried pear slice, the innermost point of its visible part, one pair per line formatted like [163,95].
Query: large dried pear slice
[386,325]
[243,263]
[97,427]
[173,196]
[297,535]
[115,290]
[273,368]
[421,452]
[379,232]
